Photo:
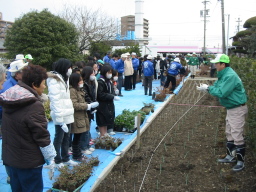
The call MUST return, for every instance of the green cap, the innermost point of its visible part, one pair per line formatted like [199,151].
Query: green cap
[28,56]
[221,58]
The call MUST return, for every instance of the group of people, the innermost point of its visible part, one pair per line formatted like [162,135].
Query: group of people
[76,94]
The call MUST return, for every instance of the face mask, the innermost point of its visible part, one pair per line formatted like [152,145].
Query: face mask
[69,72]
[115,78]
[92,78]
[109,75]
[81,85]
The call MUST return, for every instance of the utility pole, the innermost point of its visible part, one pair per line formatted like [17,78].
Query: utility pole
[205,12]
[238,25]
[227,36]
[223,27]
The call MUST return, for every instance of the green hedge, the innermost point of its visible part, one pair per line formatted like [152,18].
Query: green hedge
[246,69]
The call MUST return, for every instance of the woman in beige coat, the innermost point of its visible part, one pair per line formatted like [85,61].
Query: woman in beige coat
[128,72]
[81,120]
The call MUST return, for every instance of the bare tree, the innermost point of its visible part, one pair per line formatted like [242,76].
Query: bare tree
[93,26]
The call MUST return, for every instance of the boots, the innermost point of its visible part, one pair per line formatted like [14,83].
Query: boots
[76,152]
[230,157]
[240,152]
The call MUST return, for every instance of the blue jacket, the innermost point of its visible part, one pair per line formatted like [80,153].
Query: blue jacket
[106,59]
[7,84]
[120,66]
[135,63]
[174,68]
[148,68]
[112,62]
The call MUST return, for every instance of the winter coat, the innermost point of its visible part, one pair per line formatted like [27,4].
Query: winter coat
[91,96]
[128,68]
[135,63]
[7,84]
[163,65]
[24,127]
[61,106]
[119,66]
[81,120]
[229,89]
[148,69]
[174,68]
[105,114]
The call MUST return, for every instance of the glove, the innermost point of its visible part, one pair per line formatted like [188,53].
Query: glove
[94,111]
[49,153]
[92,105]
[64,127]
[116,91]
[116,98]
[202,87]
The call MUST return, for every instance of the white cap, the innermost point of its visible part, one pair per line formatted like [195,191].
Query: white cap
[124,55]
[177,59]
[149,57]
[17,66]
[133,53]
[19,57]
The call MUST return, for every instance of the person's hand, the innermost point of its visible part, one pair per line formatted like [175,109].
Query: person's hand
[202,87]
[94,111]
[116,98]
[116,91]
[64,127]
[92,105]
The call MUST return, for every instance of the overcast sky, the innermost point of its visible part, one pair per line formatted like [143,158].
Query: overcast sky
[170,22]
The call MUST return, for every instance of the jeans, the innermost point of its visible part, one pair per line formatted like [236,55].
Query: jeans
[61,144]
[120,82]
[85,140]
[26,180]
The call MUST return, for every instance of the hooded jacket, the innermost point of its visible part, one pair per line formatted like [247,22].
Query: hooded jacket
[24,127]
[61,106]
[229,89]
[148,69]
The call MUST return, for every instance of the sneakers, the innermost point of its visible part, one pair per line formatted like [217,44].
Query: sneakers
[239,166]
[59,165]
[227,159]
[81,159]
[91,142]
[91,149]
[111,133]
[87,152]
[70,151]
[71,163]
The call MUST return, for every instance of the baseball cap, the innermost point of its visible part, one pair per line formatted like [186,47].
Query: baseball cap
[221,58]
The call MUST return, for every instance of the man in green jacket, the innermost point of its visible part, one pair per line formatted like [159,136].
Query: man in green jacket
[231,93]
[192,64]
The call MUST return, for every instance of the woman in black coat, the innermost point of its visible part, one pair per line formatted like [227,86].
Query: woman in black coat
[105,114]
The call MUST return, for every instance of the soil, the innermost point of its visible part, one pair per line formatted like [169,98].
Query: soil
[179,152]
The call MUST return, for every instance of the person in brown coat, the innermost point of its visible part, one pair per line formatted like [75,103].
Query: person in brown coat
[81,120]
[26,142]
[128,72]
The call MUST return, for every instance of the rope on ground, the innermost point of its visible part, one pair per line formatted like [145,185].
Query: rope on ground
[164,138]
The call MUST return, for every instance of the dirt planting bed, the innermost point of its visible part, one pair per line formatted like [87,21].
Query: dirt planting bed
[179,152]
